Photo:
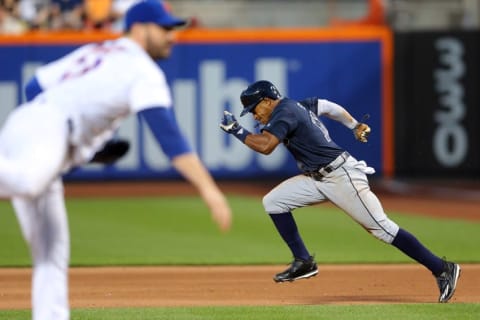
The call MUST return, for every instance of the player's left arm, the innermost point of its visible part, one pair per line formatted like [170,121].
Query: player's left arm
[195,172]
[338,113]
[165,128]
[33,88]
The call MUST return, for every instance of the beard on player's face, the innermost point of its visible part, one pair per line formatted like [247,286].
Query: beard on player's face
[159,42]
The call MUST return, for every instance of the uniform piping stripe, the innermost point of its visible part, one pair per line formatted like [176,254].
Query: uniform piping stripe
[366,208]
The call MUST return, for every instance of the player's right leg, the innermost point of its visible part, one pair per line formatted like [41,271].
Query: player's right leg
[44,225]
[293,193]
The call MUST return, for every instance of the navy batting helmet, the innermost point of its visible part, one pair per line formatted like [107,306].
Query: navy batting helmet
[255,92]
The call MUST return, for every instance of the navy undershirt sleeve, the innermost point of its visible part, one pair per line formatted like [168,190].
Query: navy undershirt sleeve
[164,127]
[32,89]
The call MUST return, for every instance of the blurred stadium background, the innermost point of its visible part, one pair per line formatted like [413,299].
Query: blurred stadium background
[412,65]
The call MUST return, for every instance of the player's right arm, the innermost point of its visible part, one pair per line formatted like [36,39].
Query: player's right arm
[52,73]
[264,143]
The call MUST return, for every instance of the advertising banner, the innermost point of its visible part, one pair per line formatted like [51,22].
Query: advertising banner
[207,72]
[437,98]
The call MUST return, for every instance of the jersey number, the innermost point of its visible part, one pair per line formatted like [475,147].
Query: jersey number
[320,125]
[88,62]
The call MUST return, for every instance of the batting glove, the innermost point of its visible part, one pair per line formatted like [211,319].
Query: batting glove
[361,132]
[230,125]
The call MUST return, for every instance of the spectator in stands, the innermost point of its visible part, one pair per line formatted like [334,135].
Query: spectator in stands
[98,14]
[66,15]
[18,16]
[10,23]
[52,14]
[34,13]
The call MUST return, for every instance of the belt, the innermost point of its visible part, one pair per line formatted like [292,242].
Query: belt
[332,166]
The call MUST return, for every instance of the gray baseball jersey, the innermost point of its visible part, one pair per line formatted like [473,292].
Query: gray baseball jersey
[329,173]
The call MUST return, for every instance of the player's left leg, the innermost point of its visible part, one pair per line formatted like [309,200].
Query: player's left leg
[44,225]
[357,200]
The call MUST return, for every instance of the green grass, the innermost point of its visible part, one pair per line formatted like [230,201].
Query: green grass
[361,312]
[146,231]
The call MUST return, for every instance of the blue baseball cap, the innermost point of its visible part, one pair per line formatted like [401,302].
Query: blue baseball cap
[151,11]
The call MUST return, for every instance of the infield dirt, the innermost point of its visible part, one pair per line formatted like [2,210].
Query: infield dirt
[242,285]
[253,285]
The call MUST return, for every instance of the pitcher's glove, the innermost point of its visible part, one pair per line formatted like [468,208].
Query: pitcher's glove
[361,132]
[112,151]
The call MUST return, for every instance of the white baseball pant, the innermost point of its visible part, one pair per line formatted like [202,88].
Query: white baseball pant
[33,152]
[347,187]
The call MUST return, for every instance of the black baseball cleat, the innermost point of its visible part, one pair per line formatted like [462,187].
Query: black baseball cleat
[447,281]
[299,269]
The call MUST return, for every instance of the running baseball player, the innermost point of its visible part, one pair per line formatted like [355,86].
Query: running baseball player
[328,173]
[80,100]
